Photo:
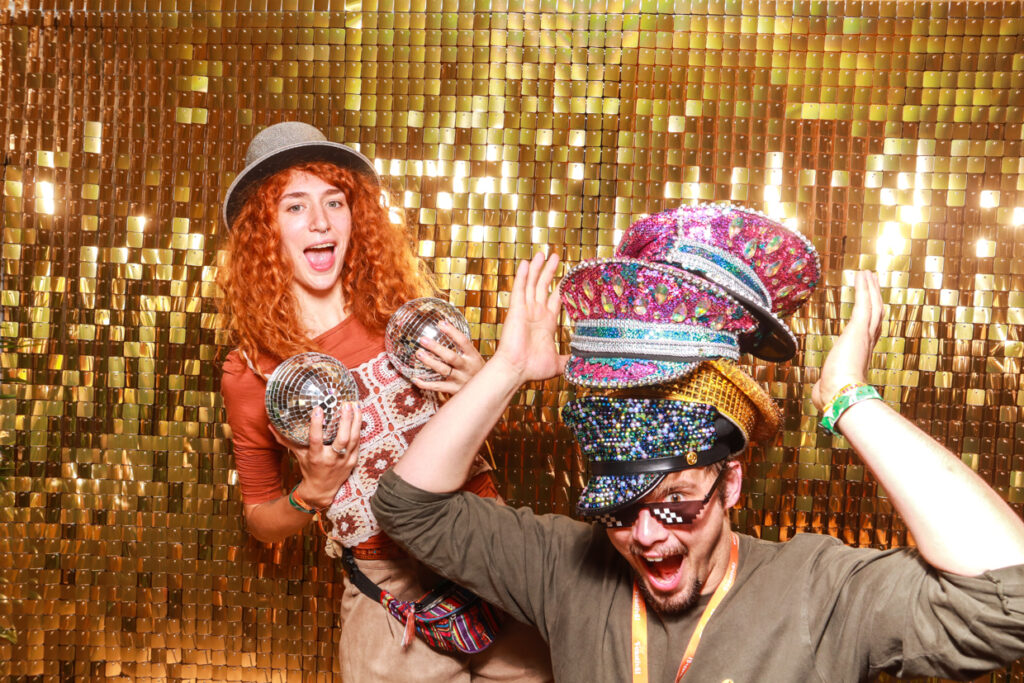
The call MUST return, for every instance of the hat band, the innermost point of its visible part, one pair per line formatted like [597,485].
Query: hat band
[721,267]
[672,463]
[651,341]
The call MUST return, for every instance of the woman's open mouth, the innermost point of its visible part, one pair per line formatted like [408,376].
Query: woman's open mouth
[320,256]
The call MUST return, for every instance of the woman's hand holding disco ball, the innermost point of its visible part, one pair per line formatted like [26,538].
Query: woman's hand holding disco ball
[427,340]
[325,467]
[455,368]
[312,405]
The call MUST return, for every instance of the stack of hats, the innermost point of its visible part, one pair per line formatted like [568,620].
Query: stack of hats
[656,335]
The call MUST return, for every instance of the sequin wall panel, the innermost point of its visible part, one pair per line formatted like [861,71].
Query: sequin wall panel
[889,133]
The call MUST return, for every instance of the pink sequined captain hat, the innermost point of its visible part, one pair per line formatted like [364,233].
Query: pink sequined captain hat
[769,268]
[638,323]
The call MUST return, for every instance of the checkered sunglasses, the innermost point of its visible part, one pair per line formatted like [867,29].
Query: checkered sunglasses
[668,514]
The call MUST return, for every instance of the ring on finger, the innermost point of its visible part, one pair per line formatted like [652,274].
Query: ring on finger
[339,451]
[451,369]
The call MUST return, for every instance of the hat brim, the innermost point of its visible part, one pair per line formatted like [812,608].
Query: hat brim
[768,413]
[285,157]
[772,341]
[623,489]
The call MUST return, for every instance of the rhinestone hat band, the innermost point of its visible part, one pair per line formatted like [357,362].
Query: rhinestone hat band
[637,322]
[651,341]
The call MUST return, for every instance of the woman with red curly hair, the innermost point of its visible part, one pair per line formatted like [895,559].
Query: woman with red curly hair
[314,262]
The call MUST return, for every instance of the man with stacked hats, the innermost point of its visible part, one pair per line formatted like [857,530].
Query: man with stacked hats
[660,587]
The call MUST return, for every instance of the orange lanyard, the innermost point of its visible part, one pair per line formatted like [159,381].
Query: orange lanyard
[638,653]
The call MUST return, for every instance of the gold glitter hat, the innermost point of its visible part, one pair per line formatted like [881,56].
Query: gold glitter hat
[726,386]
[285,144]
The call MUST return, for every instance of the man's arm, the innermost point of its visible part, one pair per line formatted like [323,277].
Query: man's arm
[959,523]
[441,454]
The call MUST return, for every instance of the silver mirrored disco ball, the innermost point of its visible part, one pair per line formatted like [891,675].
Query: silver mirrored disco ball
[303,382]
[413,320]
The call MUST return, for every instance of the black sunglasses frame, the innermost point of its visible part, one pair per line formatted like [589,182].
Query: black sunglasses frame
[679,513]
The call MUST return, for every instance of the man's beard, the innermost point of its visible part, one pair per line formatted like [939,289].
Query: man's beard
[674,604]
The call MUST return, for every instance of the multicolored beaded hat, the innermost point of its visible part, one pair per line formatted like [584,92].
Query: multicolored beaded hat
[638,323]
[769,268]
[633,438]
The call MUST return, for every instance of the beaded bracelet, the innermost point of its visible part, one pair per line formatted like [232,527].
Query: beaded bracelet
[299,504]
[841,402]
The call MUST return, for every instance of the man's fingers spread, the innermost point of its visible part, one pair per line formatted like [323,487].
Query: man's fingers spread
[518,293]
[532,276]
[546,276]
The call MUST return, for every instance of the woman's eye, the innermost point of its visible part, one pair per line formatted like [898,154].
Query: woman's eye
[335,204]
[294,208]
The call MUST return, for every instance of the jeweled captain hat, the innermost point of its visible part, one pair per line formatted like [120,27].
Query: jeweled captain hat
[769,268]
[638,323]
[633,438]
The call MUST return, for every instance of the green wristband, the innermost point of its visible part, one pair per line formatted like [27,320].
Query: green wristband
[297,504]
[840,404]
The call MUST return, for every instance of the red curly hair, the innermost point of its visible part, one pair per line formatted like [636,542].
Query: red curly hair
[261,313]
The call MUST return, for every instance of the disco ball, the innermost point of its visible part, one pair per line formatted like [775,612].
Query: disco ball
[414,320]
[302,383]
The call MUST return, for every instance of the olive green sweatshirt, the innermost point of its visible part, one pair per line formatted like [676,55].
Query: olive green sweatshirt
[810,609]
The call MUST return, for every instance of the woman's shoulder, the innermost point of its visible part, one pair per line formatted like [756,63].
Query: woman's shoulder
[234,366]
[238,374]
[233,363]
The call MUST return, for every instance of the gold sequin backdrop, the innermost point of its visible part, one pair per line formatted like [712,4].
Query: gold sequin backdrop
[889,132]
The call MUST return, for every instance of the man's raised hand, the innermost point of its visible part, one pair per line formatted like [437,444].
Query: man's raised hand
[527,343]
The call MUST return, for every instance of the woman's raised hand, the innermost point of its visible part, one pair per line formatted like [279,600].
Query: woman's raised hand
[325,467]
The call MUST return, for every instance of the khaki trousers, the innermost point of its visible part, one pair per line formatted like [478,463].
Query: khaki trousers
[370,648]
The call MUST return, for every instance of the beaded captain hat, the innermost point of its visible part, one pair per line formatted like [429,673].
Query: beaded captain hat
[769,268]
[638,323]
[633,438]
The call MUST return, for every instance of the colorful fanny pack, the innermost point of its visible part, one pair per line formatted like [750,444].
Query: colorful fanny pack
[449,618]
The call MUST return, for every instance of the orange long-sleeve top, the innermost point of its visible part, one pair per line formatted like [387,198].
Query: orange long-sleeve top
[393,411]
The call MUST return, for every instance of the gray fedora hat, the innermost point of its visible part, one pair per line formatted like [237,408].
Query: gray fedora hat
[285,144]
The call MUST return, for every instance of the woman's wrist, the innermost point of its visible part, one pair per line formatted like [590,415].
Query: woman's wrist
[310,496]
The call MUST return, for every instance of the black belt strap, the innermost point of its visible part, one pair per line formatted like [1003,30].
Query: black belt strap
[359,579]
[376,593]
